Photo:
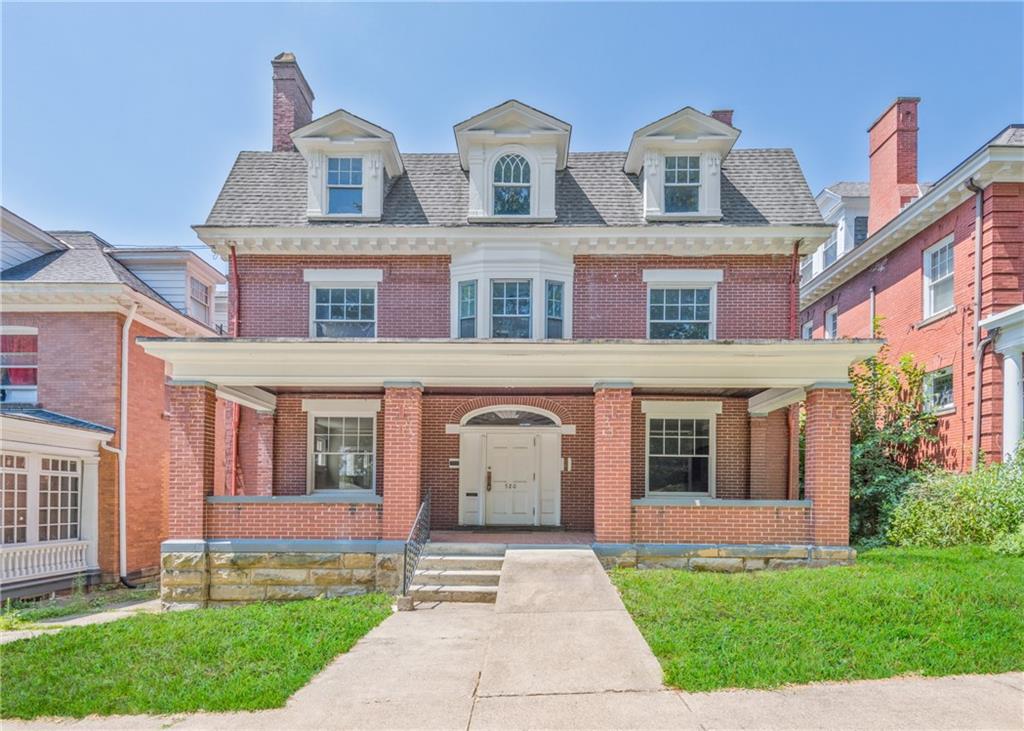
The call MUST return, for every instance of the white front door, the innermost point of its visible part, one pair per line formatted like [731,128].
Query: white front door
[511,479]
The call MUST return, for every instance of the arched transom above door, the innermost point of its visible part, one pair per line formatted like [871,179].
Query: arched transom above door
[510,416]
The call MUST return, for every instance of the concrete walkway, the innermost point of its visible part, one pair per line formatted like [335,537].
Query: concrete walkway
[111,614]
[558,651]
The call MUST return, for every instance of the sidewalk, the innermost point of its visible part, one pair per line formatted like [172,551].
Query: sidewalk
[57,624]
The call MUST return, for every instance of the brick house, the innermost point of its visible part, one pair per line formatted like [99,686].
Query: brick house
[75,443]
[515,334]
[916,269]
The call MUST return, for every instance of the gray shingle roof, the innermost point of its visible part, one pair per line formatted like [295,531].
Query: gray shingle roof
[32,413]
[759,187]
[88,261]
[850,189]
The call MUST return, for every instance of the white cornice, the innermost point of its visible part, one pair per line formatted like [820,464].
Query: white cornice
[70,297]
[296,362]
[989,165]
[28,435]
[683,240]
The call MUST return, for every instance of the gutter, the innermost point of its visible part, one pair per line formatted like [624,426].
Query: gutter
[978,344]
[122,452]
[236,410]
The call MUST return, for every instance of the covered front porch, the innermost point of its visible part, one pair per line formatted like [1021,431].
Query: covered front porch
[622,443]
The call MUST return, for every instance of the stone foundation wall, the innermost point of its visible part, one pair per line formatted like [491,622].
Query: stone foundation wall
[201,578]
[723,558]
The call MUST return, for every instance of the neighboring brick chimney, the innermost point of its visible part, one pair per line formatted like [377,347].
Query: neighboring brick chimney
[892,153]
[723,115]
[293,100]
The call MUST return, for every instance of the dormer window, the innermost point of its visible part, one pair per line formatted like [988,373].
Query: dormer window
[345,185]
[682,184]
[512,186]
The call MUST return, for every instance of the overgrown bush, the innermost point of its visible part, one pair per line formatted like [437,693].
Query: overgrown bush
[949,509]
[1010,544]
[889,425]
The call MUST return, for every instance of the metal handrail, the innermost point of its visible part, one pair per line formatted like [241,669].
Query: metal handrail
[419,534]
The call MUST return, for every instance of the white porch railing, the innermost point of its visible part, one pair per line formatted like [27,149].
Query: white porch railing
[39,560]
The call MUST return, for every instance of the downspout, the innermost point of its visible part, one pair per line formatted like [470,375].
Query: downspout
[236,410]
[794,293]
[122,453]
[978,343]
[871,312]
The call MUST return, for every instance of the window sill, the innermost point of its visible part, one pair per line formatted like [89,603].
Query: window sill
[316,497]
[697,216]
[942,315]
[944,411]
[510,219]
[341,217]
[711,502]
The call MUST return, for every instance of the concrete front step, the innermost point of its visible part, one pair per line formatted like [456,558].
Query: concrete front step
[458,577]
[460,563]
[464,549]
[449,593]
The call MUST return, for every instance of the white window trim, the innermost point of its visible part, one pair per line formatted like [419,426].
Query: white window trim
[926,280]
[828,316]
[343,279]
[807,330]
[685,279]
[709,410]
[929,389]
[193,301]
[326,191]
[366,408]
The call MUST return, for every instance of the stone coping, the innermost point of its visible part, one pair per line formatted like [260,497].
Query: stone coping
[738,550]
[710,502]
[318,498]
[288,545]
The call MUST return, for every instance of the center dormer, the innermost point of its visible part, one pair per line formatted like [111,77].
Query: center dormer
[512,152]
[679,159]
[349,163]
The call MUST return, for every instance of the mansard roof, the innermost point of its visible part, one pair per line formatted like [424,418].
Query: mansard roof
[760,187]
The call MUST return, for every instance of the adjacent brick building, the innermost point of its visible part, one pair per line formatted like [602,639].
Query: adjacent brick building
[83,405]
[515,334]
[917,271]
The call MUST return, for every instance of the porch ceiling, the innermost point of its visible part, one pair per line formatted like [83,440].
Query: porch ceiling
[298,362]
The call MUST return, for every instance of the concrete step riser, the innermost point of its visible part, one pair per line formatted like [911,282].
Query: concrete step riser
[449,577]
[460,563]
[471,549]
[478,595]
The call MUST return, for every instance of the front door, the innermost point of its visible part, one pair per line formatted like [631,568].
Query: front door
[511,479]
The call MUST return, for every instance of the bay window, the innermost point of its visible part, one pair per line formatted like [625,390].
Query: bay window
[510,308]
[554,323]
[467,309]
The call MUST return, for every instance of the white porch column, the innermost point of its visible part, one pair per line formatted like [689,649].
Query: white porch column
[1013,397]
[88,510]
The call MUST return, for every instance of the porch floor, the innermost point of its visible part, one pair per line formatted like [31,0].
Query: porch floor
[513,537]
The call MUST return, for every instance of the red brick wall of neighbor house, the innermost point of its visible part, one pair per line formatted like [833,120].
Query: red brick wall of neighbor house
[146,469]
[412,298]
[897,279]
[610,296]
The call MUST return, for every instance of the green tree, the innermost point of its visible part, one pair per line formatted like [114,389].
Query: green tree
[890,424]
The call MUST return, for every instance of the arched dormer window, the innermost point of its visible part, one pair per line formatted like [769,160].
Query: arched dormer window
[512,186]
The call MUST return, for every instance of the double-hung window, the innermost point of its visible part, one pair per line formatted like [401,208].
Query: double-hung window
[554,322]
[938,277]
[806,268]
[832,323]
[830,252]
[343,302]
[345,185]
[511,310]
[681,303]
[199,300]
[682,184]
[18,365]
[938,390]
[807,330]
[467,309]
[681,447]
[860,230]
[342,444]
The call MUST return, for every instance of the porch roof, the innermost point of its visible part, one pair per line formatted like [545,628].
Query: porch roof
[348,363]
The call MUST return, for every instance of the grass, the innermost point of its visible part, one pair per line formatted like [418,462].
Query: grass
[241,658]
[896,612]
[25,614]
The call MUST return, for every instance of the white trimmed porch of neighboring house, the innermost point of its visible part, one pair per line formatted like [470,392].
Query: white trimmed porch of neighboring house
[1008,329]
[49,501]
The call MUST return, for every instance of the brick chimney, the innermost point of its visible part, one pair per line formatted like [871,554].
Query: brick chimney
[293,100]
[723,115]
[892,153]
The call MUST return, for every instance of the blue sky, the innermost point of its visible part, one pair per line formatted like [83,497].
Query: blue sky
[125,118]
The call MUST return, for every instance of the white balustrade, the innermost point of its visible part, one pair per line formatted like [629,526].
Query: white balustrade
[38,560]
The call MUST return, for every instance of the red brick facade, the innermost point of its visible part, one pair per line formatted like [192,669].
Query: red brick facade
[827,475]
[898,283]
[192,441]
[403,425]
[326,521]
[612,462]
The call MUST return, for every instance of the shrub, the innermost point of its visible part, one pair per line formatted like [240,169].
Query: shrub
[948,509]
[1010,544]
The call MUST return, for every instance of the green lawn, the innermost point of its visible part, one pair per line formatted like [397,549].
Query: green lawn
[25,614]
[896,612]
[242,658]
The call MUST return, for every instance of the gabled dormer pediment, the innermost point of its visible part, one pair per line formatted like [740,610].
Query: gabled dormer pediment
[512,152]
[680,157]
[348,161]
